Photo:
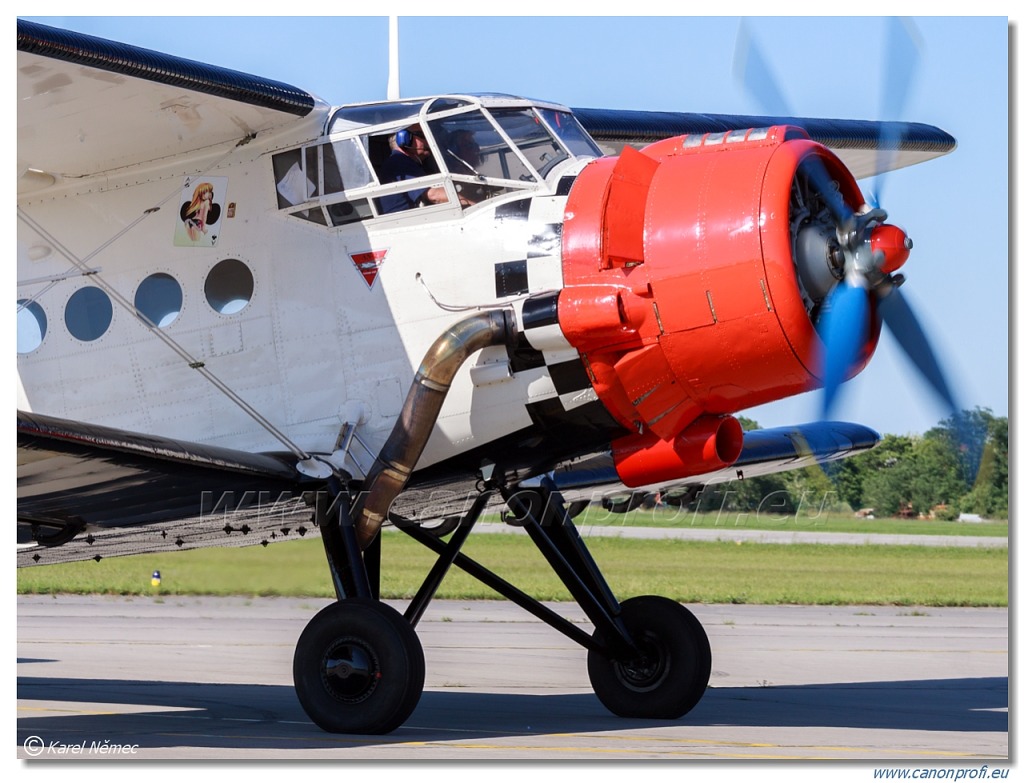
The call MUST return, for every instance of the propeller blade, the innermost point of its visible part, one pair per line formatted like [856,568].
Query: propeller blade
[755,75]
[903,48]
[844,332]
[753,72]
[901,321]
[901,57]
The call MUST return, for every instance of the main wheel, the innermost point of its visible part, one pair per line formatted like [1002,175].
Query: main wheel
[671,673]
[358,668]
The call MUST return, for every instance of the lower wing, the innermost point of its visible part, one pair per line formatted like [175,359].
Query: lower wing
[88,492]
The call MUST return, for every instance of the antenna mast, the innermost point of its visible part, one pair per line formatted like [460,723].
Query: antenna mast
[393,90]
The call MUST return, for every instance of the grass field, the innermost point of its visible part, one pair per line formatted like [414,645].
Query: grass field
[702,572]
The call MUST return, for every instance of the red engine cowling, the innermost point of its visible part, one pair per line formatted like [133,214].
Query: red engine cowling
[680,288]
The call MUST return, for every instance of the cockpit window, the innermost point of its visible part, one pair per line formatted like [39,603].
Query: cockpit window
[472,148]
[446,104]
[532,138]
[345,166]
[462,151]
[350,117]
[292,185]
[410,158]
[571,133]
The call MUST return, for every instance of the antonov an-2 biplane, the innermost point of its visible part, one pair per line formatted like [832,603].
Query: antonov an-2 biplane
[237,325]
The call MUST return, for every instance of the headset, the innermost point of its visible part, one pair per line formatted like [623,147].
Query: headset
[404,137]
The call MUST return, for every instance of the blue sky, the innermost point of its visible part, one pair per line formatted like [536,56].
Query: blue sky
[955,208]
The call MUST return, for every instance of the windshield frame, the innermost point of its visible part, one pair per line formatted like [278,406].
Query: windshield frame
[372,125]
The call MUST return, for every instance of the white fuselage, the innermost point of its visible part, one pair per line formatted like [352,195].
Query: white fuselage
[319,343]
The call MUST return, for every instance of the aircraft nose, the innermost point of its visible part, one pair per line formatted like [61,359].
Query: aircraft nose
[684,290]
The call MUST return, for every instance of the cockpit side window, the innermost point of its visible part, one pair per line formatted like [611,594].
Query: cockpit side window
[411,157]
[345,166]
[312,172]
[291,182]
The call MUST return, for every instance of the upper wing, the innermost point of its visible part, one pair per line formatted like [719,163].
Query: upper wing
[856,142]
[87,105]
[73,477]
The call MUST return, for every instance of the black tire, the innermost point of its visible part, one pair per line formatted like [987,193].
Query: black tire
[358,668]
[623,504]
[576,508]
[670,677]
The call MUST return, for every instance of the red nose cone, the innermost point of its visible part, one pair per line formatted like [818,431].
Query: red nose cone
[894,244]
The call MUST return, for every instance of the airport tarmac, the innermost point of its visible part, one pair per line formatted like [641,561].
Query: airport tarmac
[210,678]
[782,535]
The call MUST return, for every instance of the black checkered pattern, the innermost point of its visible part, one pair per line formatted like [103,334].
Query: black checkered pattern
[539,266]
[544,345]
[562,397]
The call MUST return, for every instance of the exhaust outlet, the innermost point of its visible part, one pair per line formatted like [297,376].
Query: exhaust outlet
[397,459]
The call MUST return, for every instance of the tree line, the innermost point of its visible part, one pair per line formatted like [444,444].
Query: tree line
[959,466]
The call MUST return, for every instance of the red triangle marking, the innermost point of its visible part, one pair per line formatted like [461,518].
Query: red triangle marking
[368,264]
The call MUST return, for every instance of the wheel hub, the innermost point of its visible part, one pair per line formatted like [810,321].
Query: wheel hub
[350,670]
[647,671]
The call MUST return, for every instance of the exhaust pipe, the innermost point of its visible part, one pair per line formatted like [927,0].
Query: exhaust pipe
[397,459]
[707,444]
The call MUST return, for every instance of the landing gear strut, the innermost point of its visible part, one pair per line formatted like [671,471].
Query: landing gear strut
[358,665]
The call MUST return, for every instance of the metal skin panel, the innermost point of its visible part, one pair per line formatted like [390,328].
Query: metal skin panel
[624,237]
[737,356]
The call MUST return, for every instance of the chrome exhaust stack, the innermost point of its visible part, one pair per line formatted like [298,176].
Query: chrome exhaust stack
[397,459]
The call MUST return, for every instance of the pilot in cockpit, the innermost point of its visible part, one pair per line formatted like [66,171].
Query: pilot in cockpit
[462,156]
[463,153]
[409,153]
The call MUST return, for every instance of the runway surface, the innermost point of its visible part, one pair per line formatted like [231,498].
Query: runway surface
[782,535]
[210,678]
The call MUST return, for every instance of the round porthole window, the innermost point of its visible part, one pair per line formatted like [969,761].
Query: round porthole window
[88,313]
[31,325]
[229,286]
[158,297]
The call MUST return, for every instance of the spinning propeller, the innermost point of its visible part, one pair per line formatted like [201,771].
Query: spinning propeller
[848,257]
